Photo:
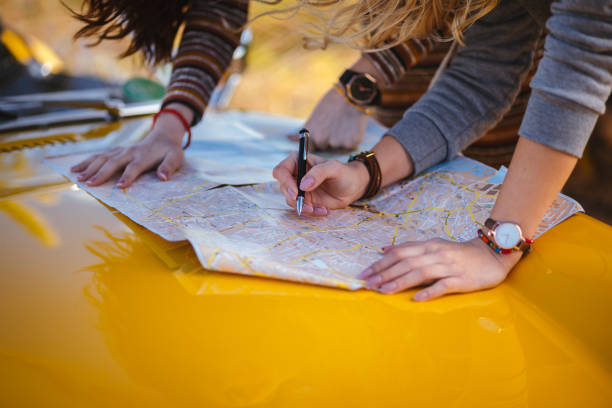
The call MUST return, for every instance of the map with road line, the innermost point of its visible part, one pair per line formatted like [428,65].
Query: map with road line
[250,230]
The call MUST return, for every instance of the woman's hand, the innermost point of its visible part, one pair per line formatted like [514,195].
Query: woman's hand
[163,146]
[335,124]
[446,266]
[328,184]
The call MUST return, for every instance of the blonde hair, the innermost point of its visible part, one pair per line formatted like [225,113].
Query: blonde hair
[377,24]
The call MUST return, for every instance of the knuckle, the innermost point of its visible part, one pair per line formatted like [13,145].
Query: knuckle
[424,273]
[395,254]
[444,286]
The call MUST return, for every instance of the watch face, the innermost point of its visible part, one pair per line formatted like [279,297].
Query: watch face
[507,235]
[361,89]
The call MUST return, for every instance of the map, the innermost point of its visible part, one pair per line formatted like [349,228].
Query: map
[250,230]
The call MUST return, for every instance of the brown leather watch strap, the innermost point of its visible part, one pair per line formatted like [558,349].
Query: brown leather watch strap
[371,162]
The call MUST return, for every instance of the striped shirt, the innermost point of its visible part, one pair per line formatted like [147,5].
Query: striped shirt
[211,34]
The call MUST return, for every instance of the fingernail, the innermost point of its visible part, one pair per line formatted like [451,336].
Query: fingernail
[307,208]
[388,287]
[420,296]
[81,177]
[163,174]
[306,183]
[292,193]
[320,211]
[121,183]
[367,272]
[91,181]
[373,282]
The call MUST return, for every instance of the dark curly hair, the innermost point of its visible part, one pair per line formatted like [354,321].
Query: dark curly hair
[151,24]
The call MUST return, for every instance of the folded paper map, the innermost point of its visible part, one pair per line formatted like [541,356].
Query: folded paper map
[250,230]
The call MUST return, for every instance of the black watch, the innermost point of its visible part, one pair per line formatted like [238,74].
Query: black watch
[360,88]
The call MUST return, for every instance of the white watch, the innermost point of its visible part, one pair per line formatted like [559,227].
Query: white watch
[507,235]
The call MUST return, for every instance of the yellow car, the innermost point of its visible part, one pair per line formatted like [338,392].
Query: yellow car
[97,311]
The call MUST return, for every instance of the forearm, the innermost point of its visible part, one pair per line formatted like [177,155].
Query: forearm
[210,37]
[536,175]
[395,163]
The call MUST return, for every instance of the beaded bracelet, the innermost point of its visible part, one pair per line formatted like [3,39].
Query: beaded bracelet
[181,118]
[490,243]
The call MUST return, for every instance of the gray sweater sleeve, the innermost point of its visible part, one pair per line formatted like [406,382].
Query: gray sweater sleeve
[474,92]
[484,78]
[574,78]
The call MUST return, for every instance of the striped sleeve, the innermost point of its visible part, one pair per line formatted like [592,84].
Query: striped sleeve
[394,62]
[212,32]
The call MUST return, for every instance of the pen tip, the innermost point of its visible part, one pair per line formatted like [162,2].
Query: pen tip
[300,203]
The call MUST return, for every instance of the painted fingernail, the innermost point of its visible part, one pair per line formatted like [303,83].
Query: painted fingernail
[367,272]
[306,183]
[292,192]
[163,174]
[420,296]
[307,208]
[320,211]
[388,287]
[373,282]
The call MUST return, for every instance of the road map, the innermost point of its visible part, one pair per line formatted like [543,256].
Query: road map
[250,230]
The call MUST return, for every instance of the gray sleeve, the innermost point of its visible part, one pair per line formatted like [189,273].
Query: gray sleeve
[574,78]
[479,86]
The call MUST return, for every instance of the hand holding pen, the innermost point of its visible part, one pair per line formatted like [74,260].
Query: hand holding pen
[314,185]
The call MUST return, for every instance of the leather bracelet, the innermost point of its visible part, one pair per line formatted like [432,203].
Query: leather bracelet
[181,118]
[371,162]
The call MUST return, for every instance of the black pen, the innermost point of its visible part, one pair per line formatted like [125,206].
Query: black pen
[301,166]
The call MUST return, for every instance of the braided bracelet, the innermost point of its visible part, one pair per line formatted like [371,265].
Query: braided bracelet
[181,118]
[371,162]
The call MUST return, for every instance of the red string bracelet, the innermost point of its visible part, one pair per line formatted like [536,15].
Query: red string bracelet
[180,117]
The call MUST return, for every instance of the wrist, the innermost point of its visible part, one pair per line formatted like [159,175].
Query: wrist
[170,125]
[507,260]
[361,177]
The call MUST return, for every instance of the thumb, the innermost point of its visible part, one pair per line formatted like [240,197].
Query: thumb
[318,174]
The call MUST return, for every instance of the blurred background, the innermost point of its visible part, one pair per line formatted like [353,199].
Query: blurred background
[280,77]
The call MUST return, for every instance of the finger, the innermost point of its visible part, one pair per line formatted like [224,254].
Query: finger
[108,169]
[79,167]
[412,265]
[92,169]
[290,196]
[403,244]
[444,286]
[392,257]
[318,142]
[171,163]
[286,171]
[319,173]
[133,170]
[294,137]
[415,277]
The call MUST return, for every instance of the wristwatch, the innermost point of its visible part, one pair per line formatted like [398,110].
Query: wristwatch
[360,88]
[507,236]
